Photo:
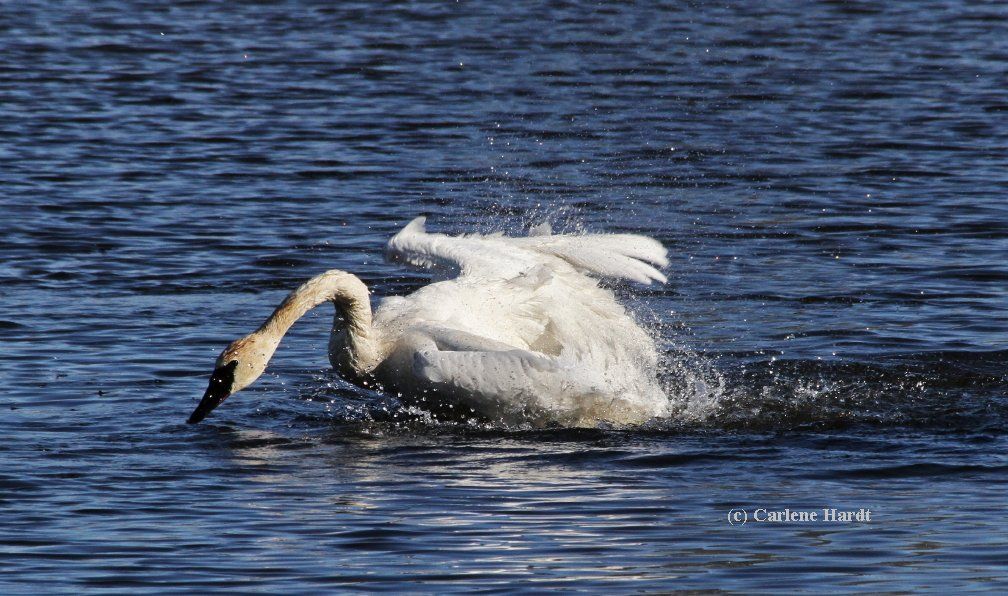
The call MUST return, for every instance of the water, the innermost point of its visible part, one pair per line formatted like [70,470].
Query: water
[829,179]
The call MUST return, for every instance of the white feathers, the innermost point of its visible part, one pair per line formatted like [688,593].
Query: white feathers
[620,256]
[517,331]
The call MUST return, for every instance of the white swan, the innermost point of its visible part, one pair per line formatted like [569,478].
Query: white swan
[514,331]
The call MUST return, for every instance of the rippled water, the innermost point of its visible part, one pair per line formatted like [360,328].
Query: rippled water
[829,179]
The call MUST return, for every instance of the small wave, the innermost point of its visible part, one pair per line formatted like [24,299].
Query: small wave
[916,470]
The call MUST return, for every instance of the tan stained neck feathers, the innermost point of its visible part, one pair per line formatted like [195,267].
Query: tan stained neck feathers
[352,301]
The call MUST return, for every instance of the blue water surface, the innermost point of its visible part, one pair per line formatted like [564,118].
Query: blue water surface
[829,178]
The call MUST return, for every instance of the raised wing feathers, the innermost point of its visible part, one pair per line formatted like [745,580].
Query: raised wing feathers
[620,256]
[453,256]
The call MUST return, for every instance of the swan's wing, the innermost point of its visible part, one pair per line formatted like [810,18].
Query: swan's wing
[524,386]
[621,256]
[502,375]
[444,339]
[497,378]
[452,256]
[477,364]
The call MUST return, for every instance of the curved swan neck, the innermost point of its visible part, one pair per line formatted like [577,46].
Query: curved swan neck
[351,298]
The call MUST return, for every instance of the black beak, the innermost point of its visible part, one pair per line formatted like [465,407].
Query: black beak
[219,389]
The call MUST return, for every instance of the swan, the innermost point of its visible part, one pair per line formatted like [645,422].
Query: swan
[513,329]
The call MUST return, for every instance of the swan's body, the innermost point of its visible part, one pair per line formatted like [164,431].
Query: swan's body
[514,331]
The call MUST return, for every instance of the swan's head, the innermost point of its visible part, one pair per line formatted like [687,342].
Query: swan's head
[237,367]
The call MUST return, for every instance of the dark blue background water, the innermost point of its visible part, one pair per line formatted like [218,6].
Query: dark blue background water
[829,178]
